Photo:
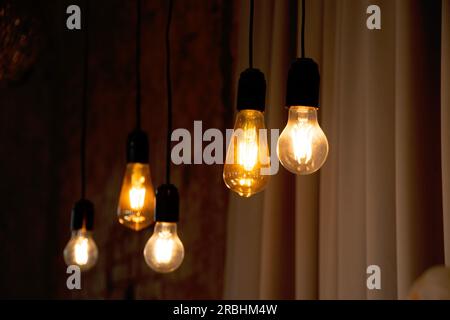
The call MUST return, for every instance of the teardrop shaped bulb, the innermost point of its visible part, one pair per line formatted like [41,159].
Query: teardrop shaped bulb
[137,197]
[247,155]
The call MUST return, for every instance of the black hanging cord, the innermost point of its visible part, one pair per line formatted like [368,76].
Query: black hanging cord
[303,29]
[138,64]
[250,34]
[84,103]
[169,93]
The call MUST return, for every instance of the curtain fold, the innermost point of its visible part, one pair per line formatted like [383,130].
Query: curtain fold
[279,200]
[445,123]
[380,153]
[382,197]
[417,140]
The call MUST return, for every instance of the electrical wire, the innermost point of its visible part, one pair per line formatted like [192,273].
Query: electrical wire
[250,34]
[84,103]
[303,29]
[138,64]
[169,92]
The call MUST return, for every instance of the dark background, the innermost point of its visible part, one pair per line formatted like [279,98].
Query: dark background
[40,104]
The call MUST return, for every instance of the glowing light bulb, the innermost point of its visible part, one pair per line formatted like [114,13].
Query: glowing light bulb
[164,251]
[137,191]
[81,250]
[247,155]
[137,197]
[302,146]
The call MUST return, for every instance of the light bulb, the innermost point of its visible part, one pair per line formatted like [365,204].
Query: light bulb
[137,197]
[302,146]
[81,250]
[247,155]
[164,251]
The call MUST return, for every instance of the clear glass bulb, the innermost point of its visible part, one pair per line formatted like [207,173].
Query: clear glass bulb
[302,146]
[164,251]
[137,197]
[81,250]
[247,154]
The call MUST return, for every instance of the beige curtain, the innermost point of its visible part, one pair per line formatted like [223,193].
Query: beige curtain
[383,196]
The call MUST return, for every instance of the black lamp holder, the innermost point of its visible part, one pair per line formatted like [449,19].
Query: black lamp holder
[82,215]
[137,147]
[303,83]
[167,204]
[251,90]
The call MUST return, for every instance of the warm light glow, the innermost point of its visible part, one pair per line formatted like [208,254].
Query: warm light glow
[248,149]
[81,250]
[247,154]
[302,147]
[302,140]
[245,182]
[164,251]
[137,191]
[137,197]
[164,248]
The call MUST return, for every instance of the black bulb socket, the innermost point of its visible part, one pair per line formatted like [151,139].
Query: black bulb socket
[167,207]
[251,90]
[303,83]
[82,215]
[137,147]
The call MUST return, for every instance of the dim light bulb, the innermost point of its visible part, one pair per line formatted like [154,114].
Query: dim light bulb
[247,154]
[137,197]
[81,250]
[302,146]
[164,252]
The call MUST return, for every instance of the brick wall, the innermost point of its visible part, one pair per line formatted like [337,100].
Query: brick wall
[40,148]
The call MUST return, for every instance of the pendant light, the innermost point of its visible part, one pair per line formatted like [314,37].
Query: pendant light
[302,146]
[81,249]
[137,197]
[164,252]
[248,152]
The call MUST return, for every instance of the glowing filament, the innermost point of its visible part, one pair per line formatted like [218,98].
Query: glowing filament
[302,140]
[137,197]
[164,247]
[81,251]
[137,192]
[248,149]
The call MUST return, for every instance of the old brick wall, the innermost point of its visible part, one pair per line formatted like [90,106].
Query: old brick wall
[40,128]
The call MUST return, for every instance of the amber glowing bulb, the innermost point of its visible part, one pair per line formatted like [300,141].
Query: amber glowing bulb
[247,155]
[137,196]
[246,168]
